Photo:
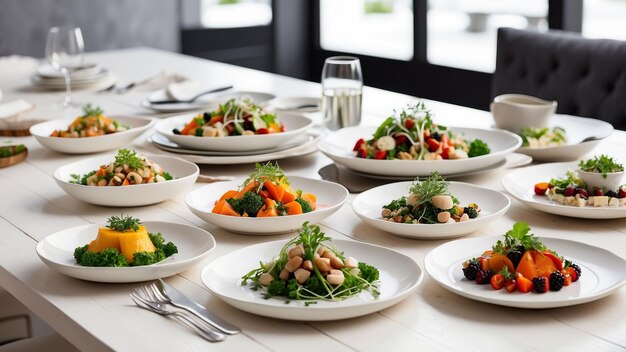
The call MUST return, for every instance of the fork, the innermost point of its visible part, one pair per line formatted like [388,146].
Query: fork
[207,332]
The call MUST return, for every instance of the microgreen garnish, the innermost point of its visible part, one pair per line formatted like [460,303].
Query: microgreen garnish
[518,236]
[123,223]
[428,188]
[128,157]
[89,110]
[602,164]
[266,172]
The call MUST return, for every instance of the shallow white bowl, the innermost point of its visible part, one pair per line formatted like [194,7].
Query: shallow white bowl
[520,184]
[193,243]
[330,197]
[184,172]
[399,277]
[577,129]
[85,145]
[369,204]
[296,125]
[602,273]
[339,144]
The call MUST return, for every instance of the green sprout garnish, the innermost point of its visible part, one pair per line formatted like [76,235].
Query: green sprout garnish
[602,164]
[123,223]
[89,110]
[130,158]
[266,172]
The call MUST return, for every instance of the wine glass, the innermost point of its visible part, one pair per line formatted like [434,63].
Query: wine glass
[342,91]
[64,51]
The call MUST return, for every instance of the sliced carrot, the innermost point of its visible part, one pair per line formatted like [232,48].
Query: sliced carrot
[252,186]
[55,133]
[293,208]
[289,196]
[227,209]
[190,126]
[276,192]
[217,209]
[215,119]
[269,209]
[125,182]
[311,198]
[264,194]
[93,133]
[102,171]
[229,194]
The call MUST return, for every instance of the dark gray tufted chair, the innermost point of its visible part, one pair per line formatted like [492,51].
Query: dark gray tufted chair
[587,77]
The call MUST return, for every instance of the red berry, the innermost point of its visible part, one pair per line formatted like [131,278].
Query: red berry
[359,144]
[433,144]
[401,139]
[262,130]
[598,192]
[572,273]
[510,285]
[445,152]
[497,281]
[409,123]
[622,192]
[583,192]
[558,263]
[541,188]
[523,284]
[361,153]
[484,263]
[567,276]
[380,155]
[569,191]
[541,284]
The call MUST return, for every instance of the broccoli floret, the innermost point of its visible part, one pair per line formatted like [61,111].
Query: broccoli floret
[277,288]
[478,148]
[368,272]
[306,207]
[147,258]
[108,257]
[314,285]
[170,249]
[250,203]
[471,212]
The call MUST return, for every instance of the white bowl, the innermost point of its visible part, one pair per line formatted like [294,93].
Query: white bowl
[193,243]
[330,197]
[612,182]
[369,204]
[296,125]
[184,172]
[516,111]
[85,145]
[338,146]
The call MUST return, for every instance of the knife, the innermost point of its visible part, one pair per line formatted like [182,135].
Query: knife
[179,300]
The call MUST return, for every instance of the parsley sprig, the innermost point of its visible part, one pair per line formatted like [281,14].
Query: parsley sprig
[516,237]
[89,110]
[123,223]
[130,158]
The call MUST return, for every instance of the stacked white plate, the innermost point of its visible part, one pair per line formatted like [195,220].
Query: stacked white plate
[87,76]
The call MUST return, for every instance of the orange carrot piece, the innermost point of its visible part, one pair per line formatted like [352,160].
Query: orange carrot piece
[311,198]
[125,182]
[229,194]
[217,209]
[269,209]
[102,171]
[190,126]
[293,208]
[288,196]
[276,192]
[252,186]
[227,209]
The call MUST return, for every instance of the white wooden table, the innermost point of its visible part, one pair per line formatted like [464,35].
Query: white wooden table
[97,316]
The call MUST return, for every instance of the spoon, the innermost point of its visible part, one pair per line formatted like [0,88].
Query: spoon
[193,99]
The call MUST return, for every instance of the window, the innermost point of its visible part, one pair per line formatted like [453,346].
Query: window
[463,33]
[604,19]
[235,13]
[381,28]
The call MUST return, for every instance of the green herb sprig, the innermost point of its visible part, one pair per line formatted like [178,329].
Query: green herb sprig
[130,158]
[89,110]
[266,172]
[123,223]
[603,164]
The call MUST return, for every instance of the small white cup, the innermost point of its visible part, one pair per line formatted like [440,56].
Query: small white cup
[612,182]
[514,112]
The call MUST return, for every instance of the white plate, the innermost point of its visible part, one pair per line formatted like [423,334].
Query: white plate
[193,243]
[88,70]
[330,197]
[163,143]
[185,174]
[602,273]
[521,185]
[296,125]
[308,147]
[96,84]
[42,132]
[202,102]
[576,129]
[399,277]
[300,104]
[339,144]
[369,204]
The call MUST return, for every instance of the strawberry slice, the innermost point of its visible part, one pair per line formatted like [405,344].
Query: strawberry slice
[622,192]
[497,281]
[510,285]
[359,144]
[571,272]
[558,263]
[262,130]
[380,155]
[401,139]
[361,153]
[523,284]
[484,262]
[568,278]
[541,188]
[433,144]
[409,123]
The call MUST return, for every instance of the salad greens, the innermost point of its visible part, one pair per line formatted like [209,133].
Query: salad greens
[601,164]
[317,287]
[542,137]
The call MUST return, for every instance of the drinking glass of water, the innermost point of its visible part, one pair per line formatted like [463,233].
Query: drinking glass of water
[64,51]
[342,89]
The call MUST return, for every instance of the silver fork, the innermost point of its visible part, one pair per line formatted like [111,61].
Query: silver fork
[204,330]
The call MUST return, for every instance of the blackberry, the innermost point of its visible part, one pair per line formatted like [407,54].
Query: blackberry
[611,194]
[436,136]
[483,276]
[576,268]
[176,131]
[540,284]
[516,255]
[206,116]
[471,269]
[556,281]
